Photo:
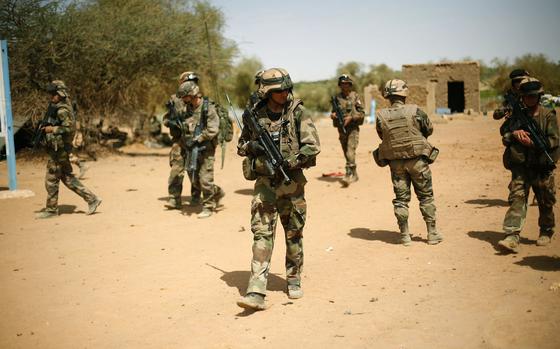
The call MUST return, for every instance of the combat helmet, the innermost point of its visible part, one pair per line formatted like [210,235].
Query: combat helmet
[518,74]
[395,87]
[188,88]
[188,76]
[345,78]
[57,87]
[275,80]
[530,87]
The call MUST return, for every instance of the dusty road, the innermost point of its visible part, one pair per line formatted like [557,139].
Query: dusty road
[138,276]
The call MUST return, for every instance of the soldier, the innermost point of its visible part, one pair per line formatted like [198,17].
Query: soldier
[530,168]
[59,132]
[174,120]
[204,115]
[294,134]
[404,129]
[351,105]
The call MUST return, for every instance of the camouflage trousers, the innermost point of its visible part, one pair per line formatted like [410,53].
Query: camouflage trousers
[349,143]
[270,201]
[522,180]
[202,181]
[415,171]
[61,170]
[177,157]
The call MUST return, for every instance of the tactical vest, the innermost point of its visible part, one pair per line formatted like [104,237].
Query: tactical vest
[286,130]
[401,138]
[518,155]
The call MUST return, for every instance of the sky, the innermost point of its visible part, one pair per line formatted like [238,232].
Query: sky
[310,38]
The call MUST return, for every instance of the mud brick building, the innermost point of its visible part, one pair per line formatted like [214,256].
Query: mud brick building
[444,85]
[453,86]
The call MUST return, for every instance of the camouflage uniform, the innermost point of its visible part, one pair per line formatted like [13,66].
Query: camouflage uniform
[353,106]
[59,146]
[203,179]
[528,171]
[273,198]
[404,129]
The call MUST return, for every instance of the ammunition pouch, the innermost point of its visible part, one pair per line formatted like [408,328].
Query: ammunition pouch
[380,162]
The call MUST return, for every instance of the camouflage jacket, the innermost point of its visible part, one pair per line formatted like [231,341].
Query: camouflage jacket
[210,132]
[296,134]
[351,105]
[63,121]
[518,154]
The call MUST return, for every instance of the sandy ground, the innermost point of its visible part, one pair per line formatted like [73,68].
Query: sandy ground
[136,275]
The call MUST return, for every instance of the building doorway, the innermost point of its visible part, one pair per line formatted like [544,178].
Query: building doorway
[456,96]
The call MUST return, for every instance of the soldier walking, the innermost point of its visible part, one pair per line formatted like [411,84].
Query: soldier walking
[294,135]
[174,119]
[351,106]
[530,166]
[404,129]
[58,135]
[206,122]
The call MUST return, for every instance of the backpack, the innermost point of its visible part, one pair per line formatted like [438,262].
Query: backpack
[226,125]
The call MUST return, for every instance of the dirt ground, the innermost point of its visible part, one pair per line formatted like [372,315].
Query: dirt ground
[136,275]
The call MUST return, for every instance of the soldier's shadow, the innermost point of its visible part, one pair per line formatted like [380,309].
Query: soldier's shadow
[186,210]
[387,236]
[329,179]
[67,209]
[184,199]
[492,237]
[543,263]
[248,191]
[240,278]
[488,202]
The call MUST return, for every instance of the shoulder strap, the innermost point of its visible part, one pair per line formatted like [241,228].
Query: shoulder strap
[204,112]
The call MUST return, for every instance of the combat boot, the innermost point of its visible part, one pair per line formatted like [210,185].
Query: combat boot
[46,214]
[405,234]
[511,242]
[252,301]
[206,212]
[295,291]
[92,206]
[354,175]
[173,203]
[434,237]
[346,180]
[544,238]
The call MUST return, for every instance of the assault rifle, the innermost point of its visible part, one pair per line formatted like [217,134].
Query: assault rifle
[197,148]
[274,159]
[339,113]
[519,120]
[47,120]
